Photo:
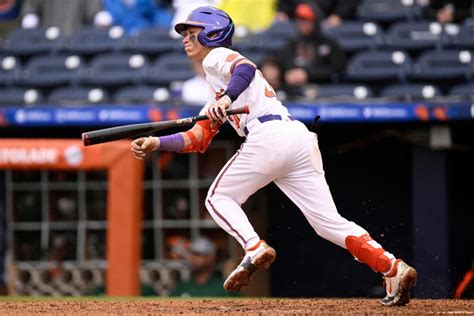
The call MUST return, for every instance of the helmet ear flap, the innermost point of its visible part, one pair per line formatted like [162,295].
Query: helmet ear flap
[213,35]
[206,38]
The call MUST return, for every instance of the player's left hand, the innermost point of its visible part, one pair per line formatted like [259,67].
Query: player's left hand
[216,112]
[144,145]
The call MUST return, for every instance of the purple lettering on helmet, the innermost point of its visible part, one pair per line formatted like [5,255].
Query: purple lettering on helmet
[217,26]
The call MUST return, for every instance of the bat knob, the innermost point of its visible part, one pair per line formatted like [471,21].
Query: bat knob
[85,139]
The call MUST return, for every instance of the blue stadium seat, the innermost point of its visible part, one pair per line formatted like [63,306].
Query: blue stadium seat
[93,41]
[269,41]
[387,10]
[356,35]
[344,91]
[28,42]
[284,29]
[141,94]
[20,96]
[170,67]
[266,43]
[379,65]
[416,35]
[255,57]
[411,92]
[49,71]
[443,65]
[76,95]
[465,90]
[116,69]
[9,70]
[242,43]
[464,37]
[154,41]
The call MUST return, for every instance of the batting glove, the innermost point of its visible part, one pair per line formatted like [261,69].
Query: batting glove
[144,145]
[216,111]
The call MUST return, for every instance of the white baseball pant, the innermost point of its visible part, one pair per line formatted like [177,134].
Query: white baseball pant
[285,152]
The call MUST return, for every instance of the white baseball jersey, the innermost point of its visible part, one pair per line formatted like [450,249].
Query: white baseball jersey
[259,96]
[277,149]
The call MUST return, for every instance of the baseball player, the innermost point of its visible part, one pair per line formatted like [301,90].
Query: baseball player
[277,148]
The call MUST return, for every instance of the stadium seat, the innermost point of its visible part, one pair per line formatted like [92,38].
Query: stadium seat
[465,90]
[154,41]
[28,42]
[20,96]
[116,69]
[416,36]
[170,67]
[410,92]
[443,65]
[387,10]
[463,36]
[356,35]
[9,70]
[379,65]
[284,29]
[93,41]
[49,71]
[141,94]
[255,57]
[74,95]
[344,91]
[268,41]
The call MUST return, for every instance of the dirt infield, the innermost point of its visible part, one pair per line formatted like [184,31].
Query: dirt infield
[208,306]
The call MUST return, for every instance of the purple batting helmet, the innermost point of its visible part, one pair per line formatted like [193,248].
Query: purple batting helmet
[217,25]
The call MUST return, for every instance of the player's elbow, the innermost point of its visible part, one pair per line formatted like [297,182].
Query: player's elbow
[193,140]
[200,136]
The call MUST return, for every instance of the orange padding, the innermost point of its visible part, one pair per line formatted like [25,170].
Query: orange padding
[375,258]
[468,277]
[208,134]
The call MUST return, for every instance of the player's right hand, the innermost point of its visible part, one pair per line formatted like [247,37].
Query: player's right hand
[144,145]
[216,111]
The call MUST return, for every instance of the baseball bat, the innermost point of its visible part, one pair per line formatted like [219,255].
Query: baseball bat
[134,130]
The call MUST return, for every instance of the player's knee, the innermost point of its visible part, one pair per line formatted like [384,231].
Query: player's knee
[212,197]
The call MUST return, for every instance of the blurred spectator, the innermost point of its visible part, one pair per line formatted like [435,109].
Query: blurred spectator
[447,11]
[69,15]
[9,9]
[182,8]
[272,72]
[205,279]
[196,90]
[249,17]
[62,246]
[330,12]
[177,247]
[179,208]
[311,57]
[136,15]
[9,12]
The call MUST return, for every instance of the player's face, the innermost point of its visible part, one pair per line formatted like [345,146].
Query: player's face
[192,47]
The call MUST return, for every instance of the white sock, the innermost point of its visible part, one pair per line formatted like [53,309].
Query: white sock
[392,261]
[251,242]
